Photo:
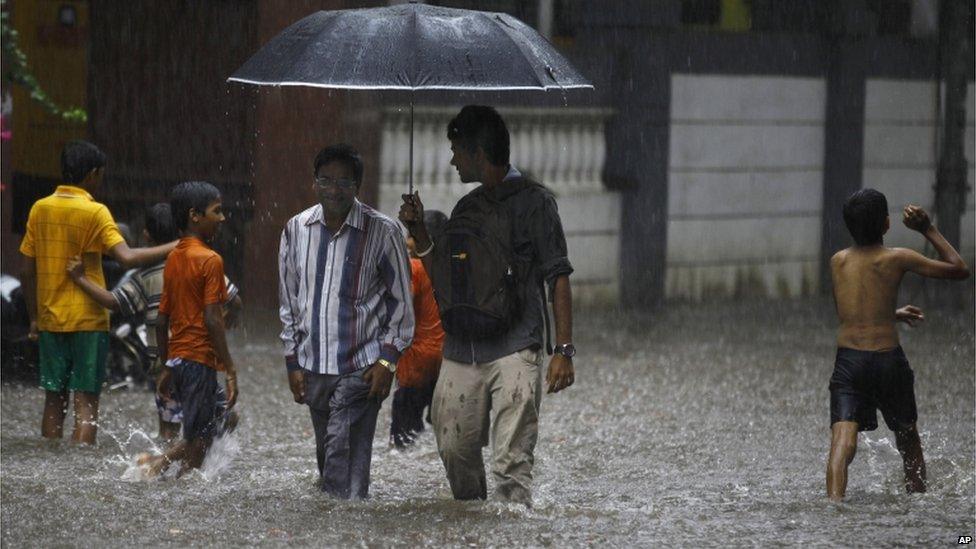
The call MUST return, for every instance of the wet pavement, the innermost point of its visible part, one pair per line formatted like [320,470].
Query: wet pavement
[696,425]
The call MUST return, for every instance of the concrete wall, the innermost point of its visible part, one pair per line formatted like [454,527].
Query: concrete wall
[900,155]
[291,125]
[744,186]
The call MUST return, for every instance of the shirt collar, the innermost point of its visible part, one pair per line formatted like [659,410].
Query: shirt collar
[190,240]
[513,173]
[355,218]
[71,191]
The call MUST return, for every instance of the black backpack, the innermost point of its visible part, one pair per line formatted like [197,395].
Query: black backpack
[478,281]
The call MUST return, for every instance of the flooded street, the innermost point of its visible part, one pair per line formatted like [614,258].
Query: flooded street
[698,425]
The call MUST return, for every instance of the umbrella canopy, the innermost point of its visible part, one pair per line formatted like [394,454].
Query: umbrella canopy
[411,47]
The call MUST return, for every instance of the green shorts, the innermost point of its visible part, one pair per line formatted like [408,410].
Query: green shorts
[73,360]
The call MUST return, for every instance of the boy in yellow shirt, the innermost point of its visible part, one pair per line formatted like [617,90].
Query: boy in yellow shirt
[71,328]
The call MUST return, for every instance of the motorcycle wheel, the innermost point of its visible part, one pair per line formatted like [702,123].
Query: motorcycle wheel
[124,366]
[18,361]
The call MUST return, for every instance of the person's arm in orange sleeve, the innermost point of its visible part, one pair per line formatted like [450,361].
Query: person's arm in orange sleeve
[214,295]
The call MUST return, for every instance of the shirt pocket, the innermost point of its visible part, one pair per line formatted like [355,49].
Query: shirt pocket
[352,283]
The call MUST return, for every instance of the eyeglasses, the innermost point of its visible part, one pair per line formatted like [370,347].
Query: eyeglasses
[343,183]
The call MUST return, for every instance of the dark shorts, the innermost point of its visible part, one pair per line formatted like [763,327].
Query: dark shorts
[864,381]
[195,387]
[73,360]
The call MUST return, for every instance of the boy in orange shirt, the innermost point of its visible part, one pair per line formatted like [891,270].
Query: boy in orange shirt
[70,327]
[190,328]
[139,295]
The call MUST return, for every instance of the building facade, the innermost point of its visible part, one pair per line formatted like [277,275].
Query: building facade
[710,161]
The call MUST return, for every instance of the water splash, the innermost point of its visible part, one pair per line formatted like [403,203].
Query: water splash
[220,457]
[132,443]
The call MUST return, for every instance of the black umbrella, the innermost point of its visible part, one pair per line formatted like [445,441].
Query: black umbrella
[411,47]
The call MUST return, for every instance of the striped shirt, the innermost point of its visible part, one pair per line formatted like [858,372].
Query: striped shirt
[344,298]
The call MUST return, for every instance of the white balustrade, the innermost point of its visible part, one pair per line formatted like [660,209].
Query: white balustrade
[563,148]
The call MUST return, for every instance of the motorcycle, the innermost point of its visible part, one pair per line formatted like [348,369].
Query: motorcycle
[129,360]
[18,354]
[128,356]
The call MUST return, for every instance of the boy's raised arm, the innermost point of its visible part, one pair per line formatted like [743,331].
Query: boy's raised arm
[951,266]
[140,257]
[76,270]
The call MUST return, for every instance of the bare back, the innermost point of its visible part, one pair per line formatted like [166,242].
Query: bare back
[866,281]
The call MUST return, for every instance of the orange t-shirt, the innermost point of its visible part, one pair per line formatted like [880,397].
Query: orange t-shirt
[420,362]
[428,335]
[193,278]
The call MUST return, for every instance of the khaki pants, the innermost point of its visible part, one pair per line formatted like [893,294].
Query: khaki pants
[510,389]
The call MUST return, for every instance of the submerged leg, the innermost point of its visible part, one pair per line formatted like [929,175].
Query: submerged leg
[196,450]
[400,435]
[516,396]
[55,407]
[910,447]
[320,423]
[349,439]
[460,412]
[230,421]
[843,446]
[168,431]
[86,418]
[361,430]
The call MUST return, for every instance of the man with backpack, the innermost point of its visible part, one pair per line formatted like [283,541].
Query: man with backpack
[488,265]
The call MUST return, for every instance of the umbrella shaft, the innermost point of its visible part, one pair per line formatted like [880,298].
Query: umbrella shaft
[410,177]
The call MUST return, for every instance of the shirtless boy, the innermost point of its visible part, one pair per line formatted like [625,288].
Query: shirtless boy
[871,370]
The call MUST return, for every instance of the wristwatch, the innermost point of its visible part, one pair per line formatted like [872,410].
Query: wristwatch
[568,350]
[391,366]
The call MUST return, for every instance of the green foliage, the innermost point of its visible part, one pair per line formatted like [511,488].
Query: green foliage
[16,71]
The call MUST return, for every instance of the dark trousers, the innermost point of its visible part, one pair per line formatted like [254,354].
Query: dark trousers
[345,421]
[407,417]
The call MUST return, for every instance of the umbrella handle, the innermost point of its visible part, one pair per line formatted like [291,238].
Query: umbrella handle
[410,177]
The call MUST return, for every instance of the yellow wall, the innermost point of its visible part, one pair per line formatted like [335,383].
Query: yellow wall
[57,55]
[736,16]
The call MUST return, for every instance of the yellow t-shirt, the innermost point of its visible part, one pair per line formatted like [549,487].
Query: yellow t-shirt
[67,223]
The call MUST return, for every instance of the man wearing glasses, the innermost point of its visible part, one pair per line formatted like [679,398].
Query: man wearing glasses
[346,314]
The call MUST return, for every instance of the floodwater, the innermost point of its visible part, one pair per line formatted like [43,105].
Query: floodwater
[697,425]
